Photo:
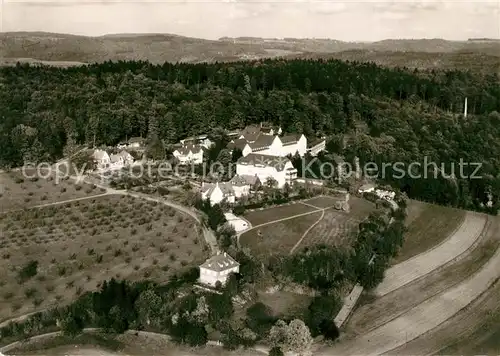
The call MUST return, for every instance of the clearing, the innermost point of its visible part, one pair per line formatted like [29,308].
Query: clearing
[78,245]
[259,217]
[279,237]
[338,228]
[428,225]
[19,192]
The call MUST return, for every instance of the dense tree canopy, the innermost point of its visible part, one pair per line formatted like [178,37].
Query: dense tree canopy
[384,115]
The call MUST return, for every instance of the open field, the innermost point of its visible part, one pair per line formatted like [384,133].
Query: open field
[286,303]
[338,228]
[377,311]
[73,247]
[428,225]
[424,317]
[264,216]
[279,237]
[18,192]
[418,266]
[321,202]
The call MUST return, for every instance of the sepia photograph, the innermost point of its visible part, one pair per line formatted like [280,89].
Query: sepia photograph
[249,177]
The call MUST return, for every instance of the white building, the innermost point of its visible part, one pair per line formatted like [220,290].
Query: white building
[189,154]
[367,188]
[201,140]
[244,184]
[133,142]
[263,166]
[102,159]
[217,269]
[385,194]
[218,192]
[271,145]
[316,146]
[121,160]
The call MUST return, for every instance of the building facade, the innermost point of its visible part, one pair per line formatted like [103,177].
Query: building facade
[218,192]
[264,167]
[218,269]
[189,154]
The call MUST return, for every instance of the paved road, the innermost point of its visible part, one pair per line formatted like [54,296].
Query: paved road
[422,318]
[424,263]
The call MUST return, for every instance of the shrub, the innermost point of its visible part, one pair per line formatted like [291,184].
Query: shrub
[30,292]
[63,190]
[8,295]
[37,301]
[99,259]
[136,267]
[28,271]
[61,270]
[78,187]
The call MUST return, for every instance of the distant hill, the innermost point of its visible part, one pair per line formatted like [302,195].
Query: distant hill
[65,50]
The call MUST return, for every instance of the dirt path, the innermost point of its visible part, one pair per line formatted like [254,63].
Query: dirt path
[424,263]
[422,318]
[307,231]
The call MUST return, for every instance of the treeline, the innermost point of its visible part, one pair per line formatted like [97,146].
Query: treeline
[377,114]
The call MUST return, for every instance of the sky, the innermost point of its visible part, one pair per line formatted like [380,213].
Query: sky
[342,20]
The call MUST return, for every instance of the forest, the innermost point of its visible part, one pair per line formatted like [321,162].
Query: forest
[374,113]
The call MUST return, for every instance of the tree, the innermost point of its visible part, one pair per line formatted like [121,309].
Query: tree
[276,351]
[321,309]
[148,306]
[71,324]
[293,337]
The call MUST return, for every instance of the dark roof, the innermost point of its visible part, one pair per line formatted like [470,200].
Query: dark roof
[315,141]
[184,150]
[290,139]
[244,179]
[220,262]
[135,140]
[238,143]
[266,129]
[272,161]
[263,142]
[226,188]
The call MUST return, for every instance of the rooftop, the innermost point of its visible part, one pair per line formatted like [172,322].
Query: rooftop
[220,262]
[256,159]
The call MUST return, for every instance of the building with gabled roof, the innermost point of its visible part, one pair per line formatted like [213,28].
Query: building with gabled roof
[218,269]
[244,184]
[189,154]
[101,159]
[264,167]
[218,192]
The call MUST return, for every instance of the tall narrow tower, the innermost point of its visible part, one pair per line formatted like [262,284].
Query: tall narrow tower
[465,108]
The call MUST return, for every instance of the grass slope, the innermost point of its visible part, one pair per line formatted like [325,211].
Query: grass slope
[428,226]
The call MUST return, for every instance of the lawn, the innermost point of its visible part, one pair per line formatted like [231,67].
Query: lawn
[264,216]
[322,202]
[279,237]
[338,228]
[18,192]
[284,303]
[77,245]
[428,226]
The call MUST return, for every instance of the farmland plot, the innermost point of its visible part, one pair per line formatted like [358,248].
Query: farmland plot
[52,254]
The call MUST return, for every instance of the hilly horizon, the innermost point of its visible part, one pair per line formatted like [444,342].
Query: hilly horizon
[68,49]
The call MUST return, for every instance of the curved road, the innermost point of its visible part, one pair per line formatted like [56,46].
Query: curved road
[422,318]
[418,266]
